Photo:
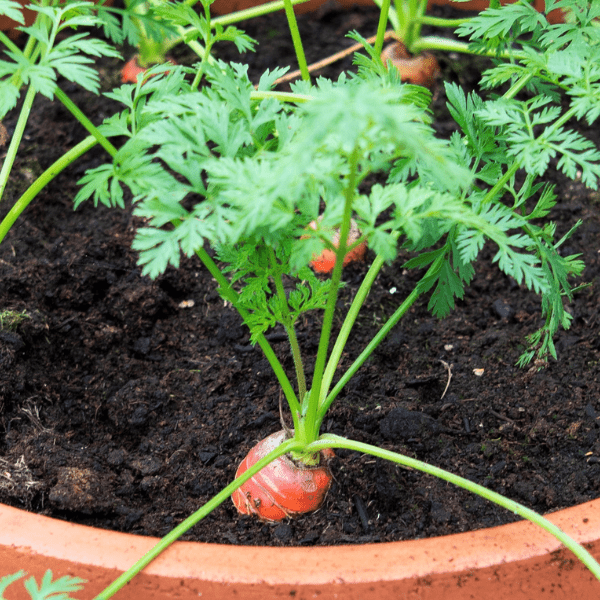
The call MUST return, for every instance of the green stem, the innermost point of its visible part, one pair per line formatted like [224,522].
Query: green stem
[288,324]
[48,175]
[499,185]
[295,347]
[232,296]
[516,87]
[334,441]
[441,22]
[177,532]
[281,96]
[205,56]
[382,25]
[364,355]
[15,142]
[6,41]
[403,13]
[296,39]
[80,116]
[352,314]
[310,409]
[255,11]
[417,13]
[434,42]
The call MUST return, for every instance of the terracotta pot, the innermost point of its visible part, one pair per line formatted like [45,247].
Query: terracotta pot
[518,561]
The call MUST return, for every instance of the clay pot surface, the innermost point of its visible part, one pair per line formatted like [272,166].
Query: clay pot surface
[518,561]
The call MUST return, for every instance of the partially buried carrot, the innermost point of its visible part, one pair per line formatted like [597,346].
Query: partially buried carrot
[132,70]
[422,69]
[324,262]
[284,488]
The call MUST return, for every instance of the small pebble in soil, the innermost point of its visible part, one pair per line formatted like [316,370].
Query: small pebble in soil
[142,345]
[150,483]
[147,465]
[503,309]
[115,458]
[206,456]
[222,461]
[78,489]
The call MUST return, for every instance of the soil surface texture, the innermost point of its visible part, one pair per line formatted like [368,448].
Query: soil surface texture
[127,403]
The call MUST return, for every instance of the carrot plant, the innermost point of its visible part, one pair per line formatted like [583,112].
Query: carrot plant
[48,55]
[408,17]
[155,27]
[255,182]
[411,53]
[36,68]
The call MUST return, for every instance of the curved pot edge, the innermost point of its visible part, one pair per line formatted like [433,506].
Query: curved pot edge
[506,556]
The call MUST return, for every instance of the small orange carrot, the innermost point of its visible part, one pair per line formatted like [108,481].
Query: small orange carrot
[324,262]
[422,69]
[283,488]
[132,70]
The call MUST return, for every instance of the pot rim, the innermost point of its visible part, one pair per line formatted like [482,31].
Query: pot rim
[389,561]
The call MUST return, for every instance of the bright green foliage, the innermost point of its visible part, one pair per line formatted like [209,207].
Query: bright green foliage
[245,173]
[71,57]
[198,26]
[137,20]
[256,271]
[155,26]
[59,589]
[13,10]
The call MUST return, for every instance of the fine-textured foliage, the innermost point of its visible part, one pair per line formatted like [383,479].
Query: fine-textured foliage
[257,183]
[248,175]
[48,589]
[71,57]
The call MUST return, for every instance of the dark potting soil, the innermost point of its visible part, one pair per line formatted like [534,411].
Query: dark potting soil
[127,403]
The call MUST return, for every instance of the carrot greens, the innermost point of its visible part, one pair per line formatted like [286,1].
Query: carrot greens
[255,183]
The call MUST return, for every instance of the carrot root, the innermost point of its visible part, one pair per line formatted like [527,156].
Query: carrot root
[422,69]
[283,488]
[324,262]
